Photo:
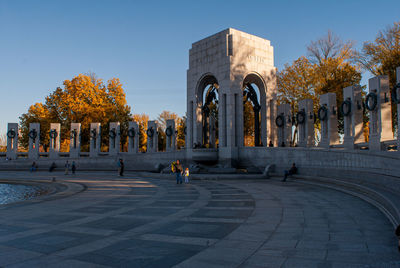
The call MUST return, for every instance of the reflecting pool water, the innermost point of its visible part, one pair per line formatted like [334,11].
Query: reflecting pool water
[10,193]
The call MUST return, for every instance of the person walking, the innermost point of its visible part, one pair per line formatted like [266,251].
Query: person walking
[121,167]
[66,167]
[178,171]
[33,167]
[187,175]
[52,167]
[291,171]
[73,167]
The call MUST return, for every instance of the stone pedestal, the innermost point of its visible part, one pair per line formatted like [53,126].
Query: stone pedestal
[114,138]
[380,117]
[283,123]
[171,135]
[133,136]
[95,139]
[329,124]
[398,107]
[12,140]
[306,124]
[353,116]
[75,140]
[34,141]
[152,137]
[55,139]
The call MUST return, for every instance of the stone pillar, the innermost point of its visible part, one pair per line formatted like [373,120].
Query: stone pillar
[380,114]
[75,140]
[283,122]
[328,116]
[398,107]
[152,137]
[54,140]
[95,139]
[212,131]
[171,135]
[34,140]
[12,140]
[133,135]
[305,120]
[352,111]
[114,138]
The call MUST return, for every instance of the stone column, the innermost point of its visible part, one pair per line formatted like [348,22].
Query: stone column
[352,111]
[54,140]
[171,135]
[329,127]
[114,138]
[283,123]
[34,140]
[212,131]
[398,107]
[152,137]
[305,120]
[133,135]
[380,114]
[95,139]
[12,140]
[75,140]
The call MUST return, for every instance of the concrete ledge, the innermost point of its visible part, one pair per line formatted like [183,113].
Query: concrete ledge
[375,197]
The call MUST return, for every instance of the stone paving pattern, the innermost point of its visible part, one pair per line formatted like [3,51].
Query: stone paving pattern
[139,222]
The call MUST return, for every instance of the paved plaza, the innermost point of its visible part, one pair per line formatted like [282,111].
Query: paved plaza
[102,220]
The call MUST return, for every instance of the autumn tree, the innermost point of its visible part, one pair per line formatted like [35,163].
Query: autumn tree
[382,56]
[329,67]
[181,128]
[162,125]
[85,99]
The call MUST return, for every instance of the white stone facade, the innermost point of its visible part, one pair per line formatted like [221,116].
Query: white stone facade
[95,139]
[306,125]
[133,137]
[230,59]
[75,140]
[114,138]
[34,140]
[329,126]
[12,140]
[380,125]
[55,138]
[353,121]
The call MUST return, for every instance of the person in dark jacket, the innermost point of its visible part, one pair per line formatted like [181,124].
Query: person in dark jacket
[121,167]
[291,171]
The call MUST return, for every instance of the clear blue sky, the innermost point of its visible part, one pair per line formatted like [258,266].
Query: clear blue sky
[145,43]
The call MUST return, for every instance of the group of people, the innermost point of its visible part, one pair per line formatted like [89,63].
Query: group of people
[178,170]
[53,166]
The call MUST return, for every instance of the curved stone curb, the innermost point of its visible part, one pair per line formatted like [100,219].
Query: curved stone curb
[56,190]
[371,196]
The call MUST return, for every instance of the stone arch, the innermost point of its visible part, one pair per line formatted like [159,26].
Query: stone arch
[207,97]
[255,92]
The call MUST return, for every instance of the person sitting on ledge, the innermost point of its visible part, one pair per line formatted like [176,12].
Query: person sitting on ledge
[291,171]
[271,144]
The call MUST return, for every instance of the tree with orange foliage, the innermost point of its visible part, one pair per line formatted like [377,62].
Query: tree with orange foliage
[84,99]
